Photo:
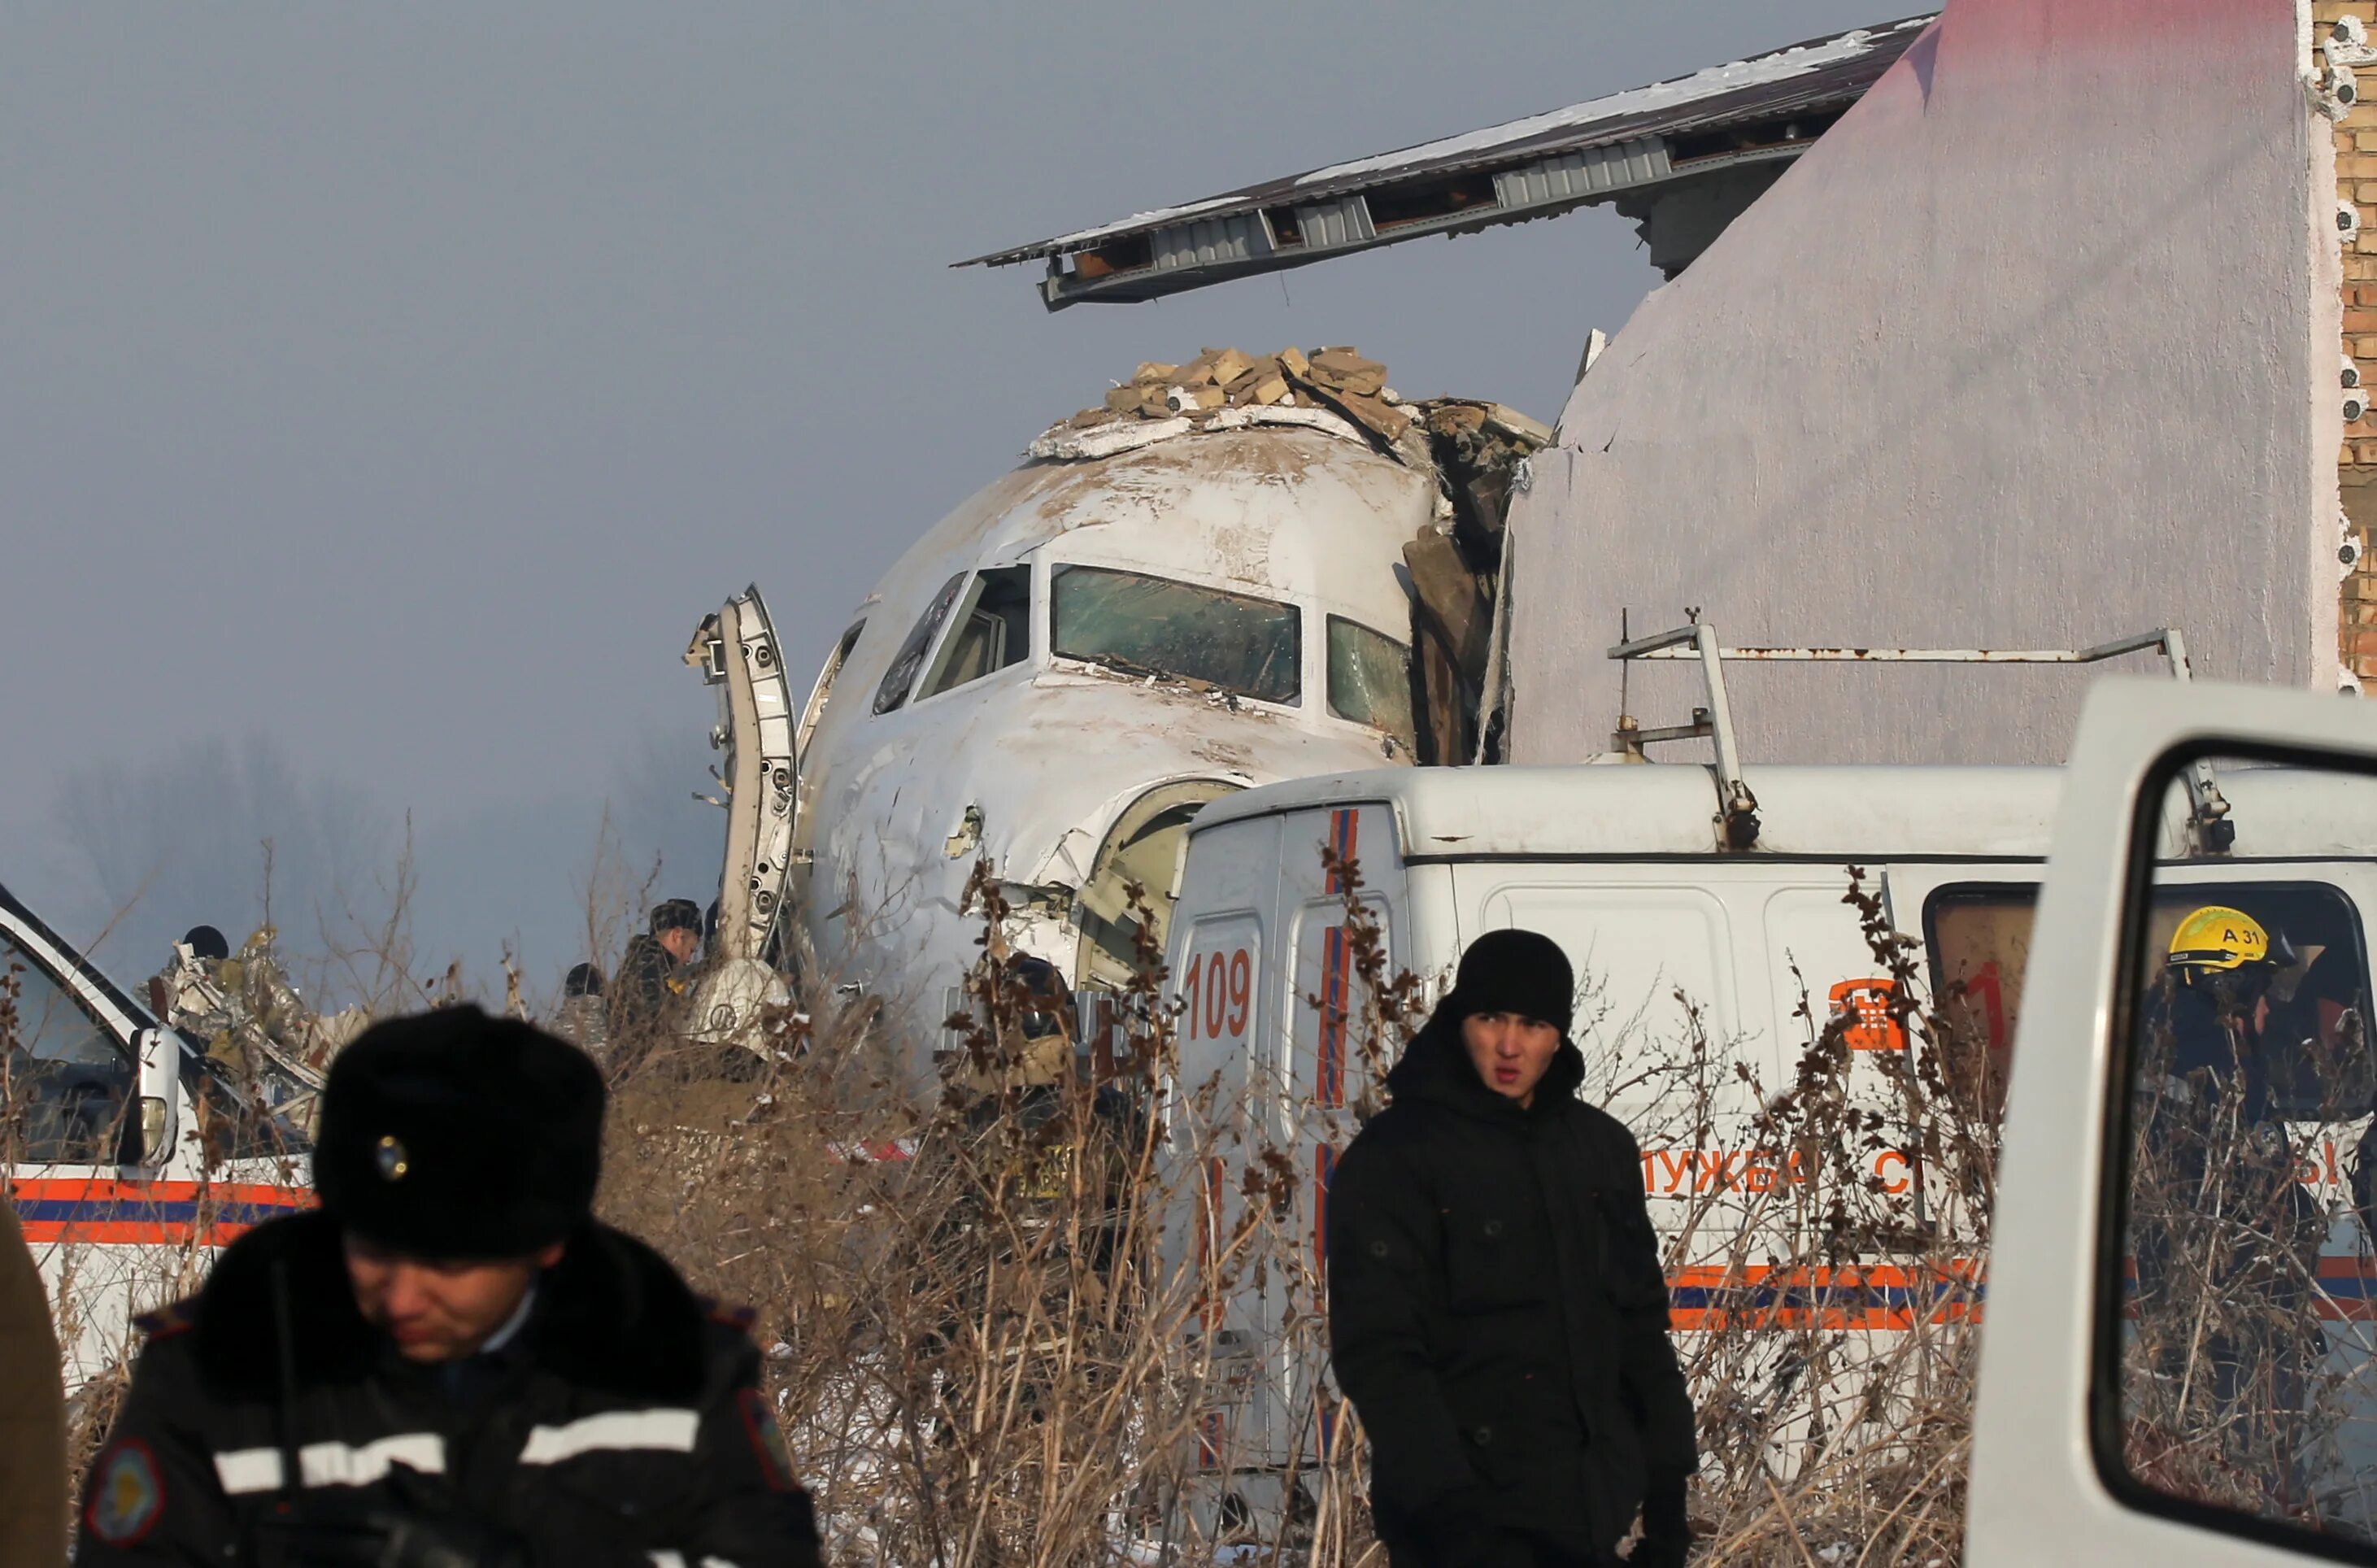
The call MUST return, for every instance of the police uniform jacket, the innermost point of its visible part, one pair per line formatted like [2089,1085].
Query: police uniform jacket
[1497,1314]
[624,1424]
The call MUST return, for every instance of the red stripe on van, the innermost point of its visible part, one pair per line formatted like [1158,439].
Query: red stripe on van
[1329,1075]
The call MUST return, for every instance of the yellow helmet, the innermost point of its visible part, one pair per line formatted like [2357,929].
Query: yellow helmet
[2216,937]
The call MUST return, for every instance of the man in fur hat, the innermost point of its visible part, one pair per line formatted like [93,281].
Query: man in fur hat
[450,1364]
[1496,1311]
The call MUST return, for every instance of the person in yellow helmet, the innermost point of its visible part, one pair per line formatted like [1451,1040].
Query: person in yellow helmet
[2222,960]
[2215,1198]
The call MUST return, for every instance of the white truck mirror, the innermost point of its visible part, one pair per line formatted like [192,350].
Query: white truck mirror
[160,1094]
[2178,1365]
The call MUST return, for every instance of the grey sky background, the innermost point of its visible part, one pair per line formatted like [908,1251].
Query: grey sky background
[386,393]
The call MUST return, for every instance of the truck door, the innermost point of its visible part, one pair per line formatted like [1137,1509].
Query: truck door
[1222,1109]
[80,1167]
[1338,1055]
[2177,1364]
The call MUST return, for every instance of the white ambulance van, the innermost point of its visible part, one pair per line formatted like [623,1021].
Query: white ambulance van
[1710,954]
[130,1156]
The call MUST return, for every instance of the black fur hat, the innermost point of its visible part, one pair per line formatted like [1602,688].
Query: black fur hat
[451,1134]
[1520,972]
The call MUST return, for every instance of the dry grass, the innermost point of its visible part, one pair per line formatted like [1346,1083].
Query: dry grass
[1012,1347]
[997,1328]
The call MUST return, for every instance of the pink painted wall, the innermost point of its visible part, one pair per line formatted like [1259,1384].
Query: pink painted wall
[2038,346]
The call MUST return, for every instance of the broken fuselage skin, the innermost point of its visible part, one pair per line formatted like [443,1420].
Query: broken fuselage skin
[1054,678]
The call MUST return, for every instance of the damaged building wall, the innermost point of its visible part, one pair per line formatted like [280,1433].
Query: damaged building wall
[2035,347]
[2336,21]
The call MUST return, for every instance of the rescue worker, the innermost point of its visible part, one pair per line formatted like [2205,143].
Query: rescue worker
[584,1016]
[652,978]
[467,1367]
[1497,1311]
[33,1412]
[2215,1199]
[2221,962]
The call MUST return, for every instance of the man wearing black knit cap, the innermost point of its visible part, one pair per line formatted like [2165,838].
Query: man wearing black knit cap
[451,1364]
[1496,1311]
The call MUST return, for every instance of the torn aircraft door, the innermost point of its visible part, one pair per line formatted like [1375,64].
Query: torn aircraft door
[737,651]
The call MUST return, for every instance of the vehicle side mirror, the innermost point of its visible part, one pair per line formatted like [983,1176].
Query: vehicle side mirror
[161,1093]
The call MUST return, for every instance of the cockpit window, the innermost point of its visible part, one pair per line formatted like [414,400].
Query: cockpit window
[1153,626]
[992,631]
[1369,680]
[911,657]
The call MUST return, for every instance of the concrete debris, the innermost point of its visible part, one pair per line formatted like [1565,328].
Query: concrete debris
[1335,379]
[1337,390]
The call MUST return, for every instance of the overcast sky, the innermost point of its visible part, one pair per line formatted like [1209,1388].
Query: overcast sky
[390,389]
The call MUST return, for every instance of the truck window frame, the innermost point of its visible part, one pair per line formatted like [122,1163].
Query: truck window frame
[2132,971]
[2004,890]
[119,1072]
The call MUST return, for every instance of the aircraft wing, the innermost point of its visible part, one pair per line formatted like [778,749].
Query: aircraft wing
[1682,157]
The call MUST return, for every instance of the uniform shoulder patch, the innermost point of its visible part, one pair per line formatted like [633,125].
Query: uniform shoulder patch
[127,1493]
[718,1311]
[767,1440]
[169,1320]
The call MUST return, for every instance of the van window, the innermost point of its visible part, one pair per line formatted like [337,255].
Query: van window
[994,630]
[1153,626]
[2234,1387]
[824,687]
[1978,937]
[2313,1032]
[911,657]
[1369,680]
[67,1081]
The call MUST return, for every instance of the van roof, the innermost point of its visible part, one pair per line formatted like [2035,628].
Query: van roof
[1832,812]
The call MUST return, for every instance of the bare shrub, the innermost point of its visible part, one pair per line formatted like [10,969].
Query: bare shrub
[1006,1320]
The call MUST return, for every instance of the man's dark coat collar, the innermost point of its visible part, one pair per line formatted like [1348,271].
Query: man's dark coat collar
[611,1316]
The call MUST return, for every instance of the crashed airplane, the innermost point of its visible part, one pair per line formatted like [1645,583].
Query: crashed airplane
[1214,580]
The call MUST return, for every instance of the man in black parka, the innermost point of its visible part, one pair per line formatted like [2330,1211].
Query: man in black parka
[451,1364]
[1497,1311]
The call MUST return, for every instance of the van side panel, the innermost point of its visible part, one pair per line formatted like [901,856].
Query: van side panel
[1654,961]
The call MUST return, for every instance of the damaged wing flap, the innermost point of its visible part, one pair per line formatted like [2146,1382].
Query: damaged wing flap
[736,650]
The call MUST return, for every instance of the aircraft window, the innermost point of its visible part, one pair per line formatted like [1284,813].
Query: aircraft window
[992,631]
[1369,680]
[66,1080]
[911,657]
[1153,626]
[816,708]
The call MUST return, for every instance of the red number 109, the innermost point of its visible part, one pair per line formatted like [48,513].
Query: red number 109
[1218,995]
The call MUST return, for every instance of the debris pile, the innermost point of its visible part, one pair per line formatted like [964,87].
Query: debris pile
[1337,379]
[1334,390]
[243,1009]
